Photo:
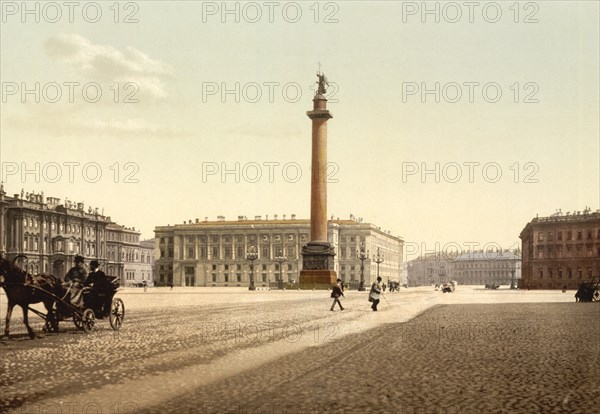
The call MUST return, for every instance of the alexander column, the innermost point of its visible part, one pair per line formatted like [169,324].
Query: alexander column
[317,255]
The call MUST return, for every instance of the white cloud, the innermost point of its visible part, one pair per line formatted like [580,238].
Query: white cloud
[102,62]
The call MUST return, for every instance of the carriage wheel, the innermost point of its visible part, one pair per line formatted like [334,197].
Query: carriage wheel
[77,321]
[117,313]
[596,296]
[87,320]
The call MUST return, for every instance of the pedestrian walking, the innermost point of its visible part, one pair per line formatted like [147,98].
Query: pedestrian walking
[374,293]
[336,292]
[145,285]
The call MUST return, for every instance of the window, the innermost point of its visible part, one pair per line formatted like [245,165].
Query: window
[226,267]
[579,235]
[226,277]
[264,277]
[214,267]
[559,235]
[589,234]
[289,267]
[191,253]
[214,277]
[570,273]
[540,236]
[238,277]
[579,273]
[569,235]
[264,267]
[550,236]
[541,274]
[550,273]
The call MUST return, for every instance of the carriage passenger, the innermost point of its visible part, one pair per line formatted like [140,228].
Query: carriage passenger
[98,281]
[74,279]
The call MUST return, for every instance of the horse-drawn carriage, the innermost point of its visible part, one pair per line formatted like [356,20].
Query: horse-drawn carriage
[449,287]
[589,291]
[24,289]
[98,302]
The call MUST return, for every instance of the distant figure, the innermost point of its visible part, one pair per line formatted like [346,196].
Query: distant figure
[564,288]
[145,285]
[336,292]
[171,284]
[374,293]
[383,286]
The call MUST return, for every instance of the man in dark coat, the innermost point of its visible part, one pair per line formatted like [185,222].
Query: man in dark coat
[336,292]
[374,293]
[99,284]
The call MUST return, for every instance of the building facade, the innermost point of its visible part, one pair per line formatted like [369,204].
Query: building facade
[502,267]
[495,267]
[561,250]
[50,233]
[429,269]
[213,253]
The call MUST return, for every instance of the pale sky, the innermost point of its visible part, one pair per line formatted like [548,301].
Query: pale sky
[542,131]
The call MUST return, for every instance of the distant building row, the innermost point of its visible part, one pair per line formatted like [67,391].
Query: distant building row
[561,250]
[50,234]
[501,267]
[213,253]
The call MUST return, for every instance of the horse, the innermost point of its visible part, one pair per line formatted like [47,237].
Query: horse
[24,289]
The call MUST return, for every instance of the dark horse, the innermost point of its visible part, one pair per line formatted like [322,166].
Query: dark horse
[24,289]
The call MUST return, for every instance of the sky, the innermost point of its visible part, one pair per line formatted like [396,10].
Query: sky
[452,123]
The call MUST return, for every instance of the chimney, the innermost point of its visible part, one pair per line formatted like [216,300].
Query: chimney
[274,216]
[266,216]
[197,220]
[293,217]
[257,218]
[205,218]
[284,216]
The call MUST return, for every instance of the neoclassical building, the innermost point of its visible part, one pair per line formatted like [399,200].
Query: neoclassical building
[561,250]
[501,267]
[213,253]
[50,233]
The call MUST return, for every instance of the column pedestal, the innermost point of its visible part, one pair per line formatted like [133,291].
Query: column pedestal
[317,265]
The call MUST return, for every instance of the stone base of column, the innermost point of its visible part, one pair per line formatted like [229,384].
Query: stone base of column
[317,266]
[317,279]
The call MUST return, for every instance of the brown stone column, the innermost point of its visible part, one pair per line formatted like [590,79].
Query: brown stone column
[318,255]
[318,190]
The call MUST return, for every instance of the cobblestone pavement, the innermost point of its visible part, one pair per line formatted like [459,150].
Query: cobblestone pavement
[502,358]
[286,352]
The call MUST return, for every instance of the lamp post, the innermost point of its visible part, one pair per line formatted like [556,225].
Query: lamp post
[378,259]
[512,278]
[280,259]
[362,255]
[251,255]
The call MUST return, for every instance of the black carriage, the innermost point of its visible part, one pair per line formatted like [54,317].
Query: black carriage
[589,291]
[98,303]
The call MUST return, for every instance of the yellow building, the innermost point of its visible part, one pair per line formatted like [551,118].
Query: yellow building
[214,253]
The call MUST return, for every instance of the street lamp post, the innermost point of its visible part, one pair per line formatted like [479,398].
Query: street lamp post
[280,259]
[362,255]
[251,255]
[512,278]
[378,259]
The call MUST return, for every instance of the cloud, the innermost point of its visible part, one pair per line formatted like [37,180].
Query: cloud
[75,124]
[101,62]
